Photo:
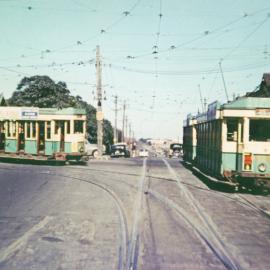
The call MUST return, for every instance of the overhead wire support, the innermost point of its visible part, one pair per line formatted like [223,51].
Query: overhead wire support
[224,83]
[115,119]
[155,53]
[200,92]
[99,114]
[126,128]
[124,119]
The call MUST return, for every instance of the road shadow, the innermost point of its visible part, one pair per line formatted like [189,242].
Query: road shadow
[223,186]
[38,162]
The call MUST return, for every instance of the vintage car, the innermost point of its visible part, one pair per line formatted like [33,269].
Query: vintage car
[120,150]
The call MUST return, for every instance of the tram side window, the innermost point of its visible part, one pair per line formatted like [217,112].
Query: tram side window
[68,127]
[232,127]
[34,131]
[56,127]
[259,130]
[8,129]
[11,129]
[78,126]
[48,130]
[28,130]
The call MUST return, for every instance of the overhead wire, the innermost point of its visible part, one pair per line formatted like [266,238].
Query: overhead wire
[124,15]
[205,34]
[155,53]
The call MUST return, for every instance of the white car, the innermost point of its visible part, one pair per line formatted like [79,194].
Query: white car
[92,149]
[143,153]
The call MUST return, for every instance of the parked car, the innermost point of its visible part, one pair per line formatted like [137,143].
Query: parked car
[143,153]
[92,149]
[175,150]
[120,150]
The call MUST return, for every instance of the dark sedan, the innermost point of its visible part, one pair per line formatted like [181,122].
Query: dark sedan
[120,150]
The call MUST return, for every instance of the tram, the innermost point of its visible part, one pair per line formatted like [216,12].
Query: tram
[231,142]
[47,133]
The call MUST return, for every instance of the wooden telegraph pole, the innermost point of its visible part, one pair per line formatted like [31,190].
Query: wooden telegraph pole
[124,116]
[115,120]
[99,114]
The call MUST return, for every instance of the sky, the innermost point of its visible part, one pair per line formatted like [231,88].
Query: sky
[161,57]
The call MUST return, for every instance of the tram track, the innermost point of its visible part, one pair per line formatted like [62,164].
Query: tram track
[132,256]
[240,199]
[128,248]
[122,250]
[129,243]
[122,255]
[205,229]
[237,197]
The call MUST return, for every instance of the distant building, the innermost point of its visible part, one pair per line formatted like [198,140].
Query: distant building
[2,100]
[159,142]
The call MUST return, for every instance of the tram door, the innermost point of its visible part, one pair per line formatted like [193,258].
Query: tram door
[21,136]
[2,136]
[62,136]
[41,138]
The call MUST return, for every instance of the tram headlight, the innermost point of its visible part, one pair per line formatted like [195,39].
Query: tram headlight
[262,167]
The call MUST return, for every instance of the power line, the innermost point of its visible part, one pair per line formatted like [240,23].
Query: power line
[124,15]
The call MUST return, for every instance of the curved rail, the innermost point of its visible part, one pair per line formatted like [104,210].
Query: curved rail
[123,223]
[213,236]
[132,255]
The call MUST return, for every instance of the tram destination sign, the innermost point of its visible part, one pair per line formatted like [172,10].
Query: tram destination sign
[29,114]
[262,111]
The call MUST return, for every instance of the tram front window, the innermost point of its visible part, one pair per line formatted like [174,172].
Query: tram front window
[259,130]
[78,126]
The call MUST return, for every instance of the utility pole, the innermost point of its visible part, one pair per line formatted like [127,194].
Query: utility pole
[225,88]
[115,119]
[124,116]
[205,105]
[199,87]
[129,132]
[127,128]
[99,105]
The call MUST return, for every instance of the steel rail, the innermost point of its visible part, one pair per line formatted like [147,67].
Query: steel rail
[132,255]
[209,226]
[122,217]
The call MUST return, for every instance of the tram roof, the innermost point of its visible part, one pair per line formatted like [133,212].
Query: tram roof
[64,111]
[247,103]
[241,103]
[44,111]
[35,113]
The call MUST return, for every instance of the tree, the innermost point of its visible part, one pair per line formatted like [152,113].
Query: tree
[92,124]
[2,100]
[43,92]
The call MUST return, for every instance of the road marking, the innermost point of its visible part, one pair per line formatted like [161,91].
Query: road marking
[12,248]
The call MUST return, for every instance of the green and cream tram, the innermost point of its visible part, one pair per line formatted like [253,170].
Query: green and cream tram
[231,141]
[47,132]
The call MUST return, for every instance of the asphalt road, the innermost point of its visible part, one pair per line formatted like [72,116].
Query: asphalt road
[127,214]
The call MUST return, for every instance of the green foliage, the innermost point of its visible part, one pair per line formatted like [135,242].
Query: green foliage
[43,92]
[2,101]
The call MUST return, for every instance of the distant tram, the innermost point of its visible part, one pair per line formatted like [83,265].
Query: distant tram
[47,133]
[232,141]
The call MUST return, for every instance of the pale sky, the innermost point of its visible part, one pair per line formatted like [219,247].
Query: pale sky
[154,53]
